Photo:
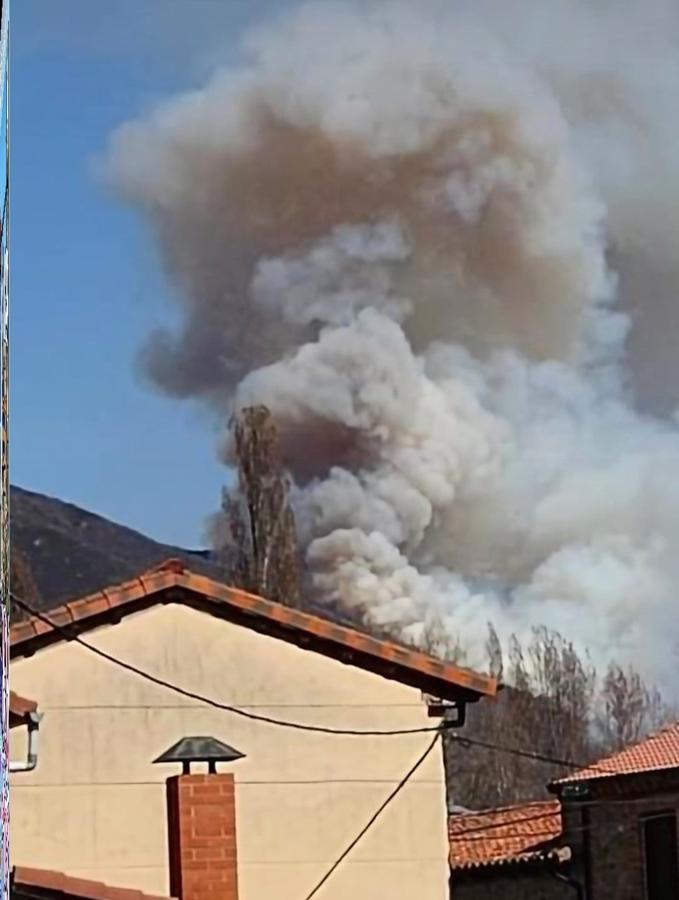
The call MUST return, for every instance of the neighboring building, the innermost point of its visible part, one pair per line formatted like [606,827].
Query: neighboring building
[37,884]
[622,813]
[611,834]
[23,713]
[95,807]
[21,710]
[509,853]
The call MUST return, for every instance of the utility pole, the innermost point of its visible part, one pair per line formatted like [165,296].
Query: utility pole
[4,448]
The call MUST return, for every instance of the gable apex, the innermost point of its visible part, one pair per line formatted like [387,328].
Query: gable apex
[172,582]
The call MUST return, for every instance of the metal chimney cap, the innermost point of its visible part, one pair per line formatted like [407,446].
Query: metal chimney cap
[199,749]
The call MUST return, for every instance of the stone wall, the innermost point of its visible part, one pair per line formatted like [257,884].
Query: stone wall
[499,884]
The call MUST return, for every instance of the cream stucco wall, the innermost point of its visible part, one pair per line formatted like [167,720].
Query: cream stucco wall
[95,806]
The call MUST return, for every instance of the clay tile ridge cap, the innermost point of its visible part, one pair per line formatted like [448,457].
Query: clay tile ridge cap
[177,566]
[141,588]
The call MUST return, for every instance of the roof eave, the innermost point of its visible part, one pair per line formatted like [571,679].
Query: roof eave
[392,661]
[649,780]
[57,884]
[554,856]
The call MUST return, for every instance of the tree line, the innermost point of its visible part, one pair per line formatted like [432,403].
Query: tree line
[555,702]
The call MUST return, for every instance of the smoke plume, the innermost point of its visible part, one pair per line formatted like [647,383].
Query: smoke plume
[445,259]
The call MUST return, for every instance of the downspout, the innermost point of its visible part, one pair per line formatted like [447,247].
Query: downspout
[32,752]
[577,792]
[453,715]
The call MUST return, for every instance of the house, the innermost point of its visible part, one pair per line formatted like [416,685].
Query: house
[24,713]
[610,833]
[36,884]
[32,884]
[622,815]
[513,852]
[21,710]
[95,808]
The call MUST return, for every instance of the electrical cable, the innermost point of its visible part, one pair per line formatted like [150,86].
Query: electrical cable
[533,755]
[479,829]
[192,695]
[439,729]
[22,892]
[391,797]
[615,830]
[399,787]
[579,805]
[68,633]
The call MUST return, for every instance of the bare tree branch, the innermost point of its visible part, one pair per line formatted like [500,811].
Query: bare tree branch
[557,705]
[262,548]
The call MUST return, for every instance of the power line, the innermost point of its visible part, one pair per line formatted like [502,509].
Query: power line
[488,826]
[535,756]
[479,832]
[464,741]
[615,829]
[68,633]
[399,787]
[209,701]
[391,797]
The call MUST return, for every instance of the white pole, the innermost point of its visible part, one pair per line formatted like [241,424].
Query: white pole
[4,454]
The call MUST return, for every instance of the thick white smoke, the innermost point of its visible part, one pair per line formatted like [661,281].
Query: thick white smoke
[426,247]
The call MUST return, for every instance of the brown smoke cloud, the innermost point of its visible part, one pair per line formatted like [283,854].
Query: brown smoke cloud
[397,230]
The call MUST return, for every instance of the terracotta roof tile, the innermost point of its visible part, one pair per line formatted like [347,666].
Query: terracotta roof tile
[502,835]
[66,886]
[62,617]
[23,631]
[170,565]
[658,752]
[88,606]
[19,708]
[130,590]
[173,582]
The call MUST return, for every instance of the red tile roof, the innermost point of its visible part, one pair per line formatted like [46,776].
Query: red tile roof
[656,753]
[174,583]
[497,836]
[19,708]
[59,885]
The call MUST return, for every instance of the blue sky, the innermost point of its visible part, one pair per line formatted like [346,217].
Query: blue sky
[85,285]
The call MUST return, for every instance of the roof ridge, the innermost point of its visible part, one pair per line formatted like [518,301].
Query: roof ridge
[171,564]
[668,726]
[606,766]
[651,736]
[551,802]
[408,665]
[629,748]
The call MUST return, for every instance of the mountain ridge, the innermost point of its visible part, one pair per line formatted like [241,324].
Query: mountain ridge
[72,552]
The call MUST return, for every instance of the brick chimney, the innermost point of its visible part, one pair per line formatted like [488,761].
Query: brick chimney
[201,816]
[201,812]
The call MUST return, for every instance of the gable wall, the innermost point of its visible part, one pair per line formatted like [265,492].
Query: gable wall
[614,832]
[95,806]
